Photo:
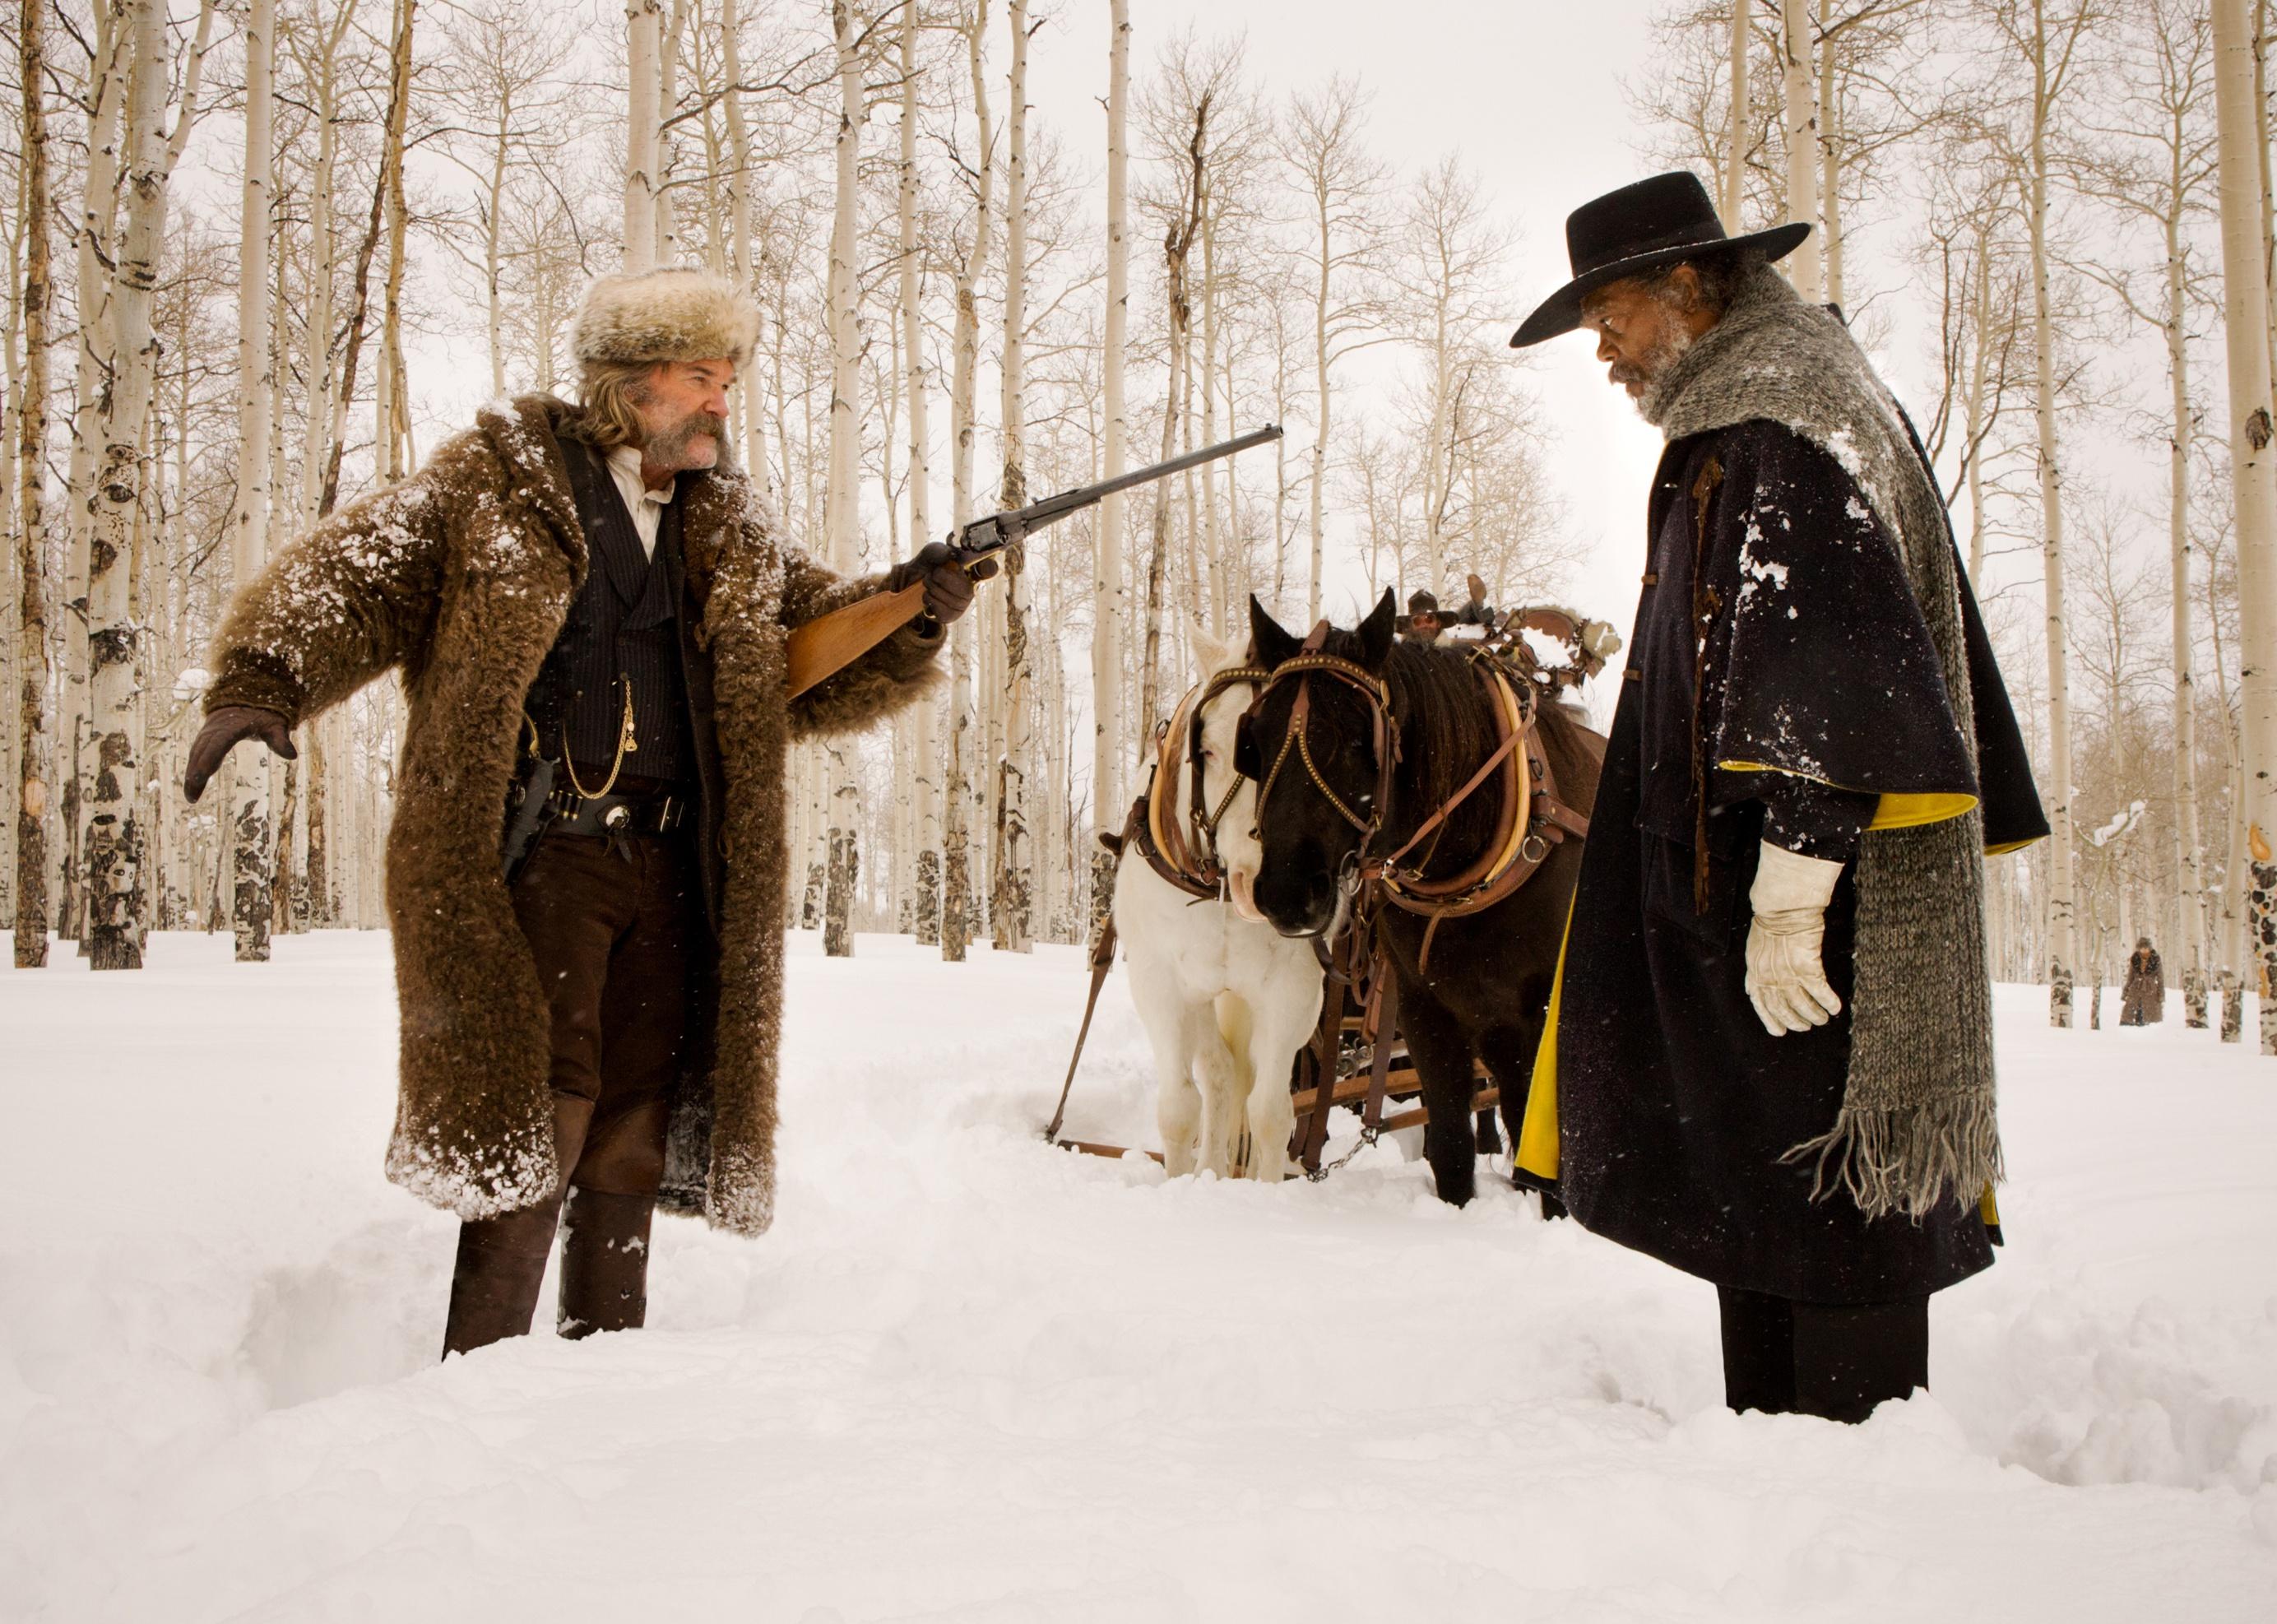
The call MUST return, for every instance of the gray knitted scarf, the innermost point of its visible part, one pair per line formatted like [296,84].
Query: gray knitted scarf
[1918,1120]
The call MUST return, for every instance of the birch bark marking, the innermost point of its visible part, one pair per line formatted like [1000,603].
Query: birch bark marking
[1735,140]
[1803,155]
[2189,879]
[925,914]
[1110,598]
[252,908]
[2245,296]
[1014,881]
[739,217]
[112,836]
[643,45]
[97,220]
[35,748]
[956,909]
[2061,948]
[841,501]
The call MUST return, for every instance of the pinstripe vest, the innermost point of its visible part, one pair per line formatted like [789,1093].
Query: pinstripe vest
[621,634]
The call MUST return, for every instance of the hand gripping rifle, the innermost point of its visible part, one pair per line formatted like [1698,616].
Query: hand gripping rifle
[829,643]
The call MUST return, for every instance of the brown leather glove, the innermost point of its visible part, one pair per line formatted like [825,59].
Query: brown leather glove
[225,725]
[947,584]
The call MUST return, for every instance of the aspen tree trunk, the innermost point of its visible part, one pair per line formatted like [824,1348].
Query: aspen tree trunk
[668,103]
[2189,879]
[925,907]
[392,399]
[252,907]
[2062,941]
[97,219]
[112,837]
[1317,521]
[2245,295]
[1110,597]
[643,48]
[739,208]
[843,498]
[34,747]
[1973,408]
[1829,165]
[1213,550]
[320,418]
[1013,896]
[1803,264]
[1735,140]
[956,909]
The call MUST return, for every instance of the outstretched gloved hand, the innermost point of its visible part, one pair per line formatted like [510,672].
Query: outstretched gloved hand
[225,726]
[1786,972]
[947,584]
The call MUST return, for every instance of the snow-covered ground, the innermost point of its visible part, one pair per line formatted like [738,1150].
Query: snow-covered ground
[971,1378]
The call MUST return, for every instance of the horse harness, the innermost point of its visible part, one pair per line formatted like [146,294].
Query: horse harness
[1184,854]
[1183,851]
[1531,819]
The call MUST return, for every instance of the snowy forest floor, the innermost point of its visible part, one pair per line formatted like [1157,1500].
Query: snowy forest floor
[971,1378]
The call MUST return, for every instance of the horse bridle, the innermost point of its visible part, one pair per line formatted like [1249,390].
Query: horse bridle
[1204,817]
[1546,817]
[1303,665]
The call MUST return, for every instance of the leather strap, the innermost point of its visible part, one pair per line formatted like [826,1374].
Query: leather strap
[604,815]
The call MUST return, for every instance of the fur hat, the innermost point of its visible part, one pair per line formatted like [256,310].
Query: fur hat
[675,313]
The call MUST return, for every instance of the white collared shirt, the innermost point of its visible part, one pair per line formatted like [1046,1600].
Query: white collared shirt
[646,506]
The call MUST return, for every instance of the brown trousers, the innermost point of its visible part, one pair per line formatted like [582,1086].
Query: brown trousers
[612,927]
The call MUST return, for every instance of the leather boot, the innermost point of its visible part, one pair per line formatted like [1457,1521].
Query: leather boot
[604,1262]
[494,1285]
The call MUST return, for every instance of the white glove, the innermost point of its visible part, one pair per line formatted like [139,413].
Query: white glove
[1786,976]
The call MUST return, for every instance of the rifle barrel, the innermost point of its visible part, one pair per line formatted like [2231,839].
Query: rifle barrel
[1037,514]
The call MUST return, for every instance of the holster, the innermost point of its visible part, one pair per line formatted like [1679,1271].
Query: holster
[529,807]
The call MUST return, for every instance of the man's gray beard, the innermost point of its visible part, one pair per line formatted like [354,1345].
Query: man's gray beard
[1659,367]
[669,449]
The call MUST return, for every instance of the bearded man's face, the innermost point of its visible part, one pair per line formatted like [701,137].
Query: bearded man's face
[684,412]
[1643,329]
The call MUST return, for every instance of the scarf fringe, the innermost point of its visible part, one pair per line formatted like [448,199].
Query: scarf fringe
[1907,1159]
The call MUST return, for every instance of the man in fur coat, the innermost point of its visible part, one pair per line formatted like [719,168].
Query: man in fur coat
[1770,1061]
[585,600]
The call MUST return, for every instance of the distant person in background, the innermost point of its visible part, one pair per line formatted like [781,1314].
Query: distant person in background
[1423,622]
[2145,997]
[1769,1060]
[588,606]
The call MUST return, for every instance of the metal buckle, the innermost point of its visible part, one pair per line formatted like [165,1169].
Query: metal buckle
[617,818]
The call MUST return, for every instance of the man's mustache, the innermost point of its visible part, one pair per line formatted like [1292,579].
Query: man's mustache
[1626,372]
[691,427]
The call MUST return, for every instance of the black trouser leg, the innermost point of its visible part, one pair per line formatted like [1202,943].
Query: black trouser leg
[605,1241]
[1758,1350]
[1850,1357]
[494,1284]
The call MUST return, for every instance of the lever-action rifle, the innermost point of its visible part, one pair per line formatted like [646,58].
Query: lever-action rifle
[828,643]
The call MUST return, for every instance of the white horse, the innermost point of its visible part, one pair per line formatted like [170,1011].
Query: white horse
[1226,1001]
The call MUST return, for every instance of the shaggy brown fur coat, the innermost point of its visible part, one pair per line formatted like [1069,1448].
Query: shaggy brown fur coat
[460,578]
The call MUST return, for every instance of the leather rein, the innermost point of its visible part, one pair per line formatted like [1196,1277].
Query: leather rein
[1531,819]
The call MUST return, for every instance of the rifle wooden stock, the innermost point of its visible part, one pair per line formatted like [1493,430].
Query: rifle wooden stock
[829,643]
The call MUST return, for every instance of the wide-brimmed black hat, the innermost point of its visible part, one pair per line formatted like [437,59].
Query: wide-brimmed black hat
[1658,222]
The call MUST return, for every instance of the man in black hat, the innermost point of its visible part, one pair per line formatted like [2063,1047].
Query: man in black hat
[1771,1061]
[1423,624]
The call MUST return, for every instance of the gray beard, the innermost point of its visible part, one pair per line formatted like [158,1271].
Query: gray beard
[1659,368]
[669,449]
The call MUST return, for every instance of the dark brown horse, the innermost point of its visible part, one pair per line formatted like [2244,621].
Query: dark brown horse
[1484,991]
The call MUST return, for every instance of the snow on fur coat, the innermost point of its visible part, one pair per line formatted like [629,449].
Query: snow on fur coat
[460,578]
